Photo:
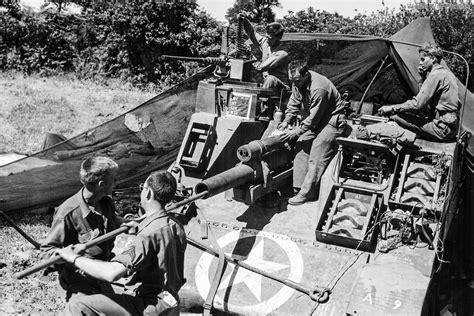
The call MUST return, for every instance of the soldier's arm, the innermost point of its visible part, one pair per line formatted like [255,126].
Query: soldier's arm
[101,270]
[294,105]
[422,99]
[249,30]
[273,61]
[317,109]
[57,236]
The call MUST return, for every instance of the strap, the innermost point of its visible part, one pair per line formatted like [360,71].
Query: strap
[220,267]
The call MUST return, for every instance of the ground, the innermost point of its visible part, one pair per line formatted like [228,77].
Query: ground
[34,295]
[29,108]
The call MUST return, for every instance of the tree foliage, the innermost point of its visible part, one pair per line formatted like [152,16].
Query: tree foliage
[127,40]
[124,41]
[259,11]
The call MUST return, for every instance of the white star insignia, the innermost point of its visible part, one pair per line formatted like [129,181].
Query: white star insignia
[251,279]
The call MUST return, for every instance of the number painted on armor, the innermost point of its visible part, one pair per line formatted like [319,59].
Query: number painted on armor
[397,304]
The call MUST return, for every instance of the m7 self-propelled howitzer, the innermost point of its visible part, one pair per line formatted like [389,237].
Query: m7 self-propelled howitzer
[378,239]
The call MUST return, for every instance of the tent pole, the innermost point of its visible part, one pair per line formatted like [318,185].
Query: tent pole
[359,107]
[21,231]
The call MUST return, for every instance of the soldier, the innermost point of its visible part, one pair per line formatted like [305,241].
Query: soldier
[85,216]
[274,63]
[155,258]
[324,120]
[433,113]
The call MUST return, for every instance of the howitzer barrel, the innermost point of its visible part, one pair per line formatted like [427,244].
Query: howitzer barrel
[226,180]
[257,148]
[209,60]
[242,174]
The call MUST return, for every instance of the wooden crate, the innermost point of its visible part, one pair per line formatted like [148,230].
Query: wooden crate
[417,185]
[348,218]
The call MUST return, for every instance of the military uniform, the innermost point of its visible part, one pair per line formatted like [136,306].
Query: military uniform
[155,258]
[276,69]
[433,112]
[76,222]
[324,120]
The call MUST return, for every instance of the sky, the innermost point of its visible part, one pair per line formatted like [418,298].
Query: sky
[349,8]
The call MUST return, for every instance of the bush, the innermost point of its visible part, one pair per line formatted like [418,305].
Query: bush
[126,41]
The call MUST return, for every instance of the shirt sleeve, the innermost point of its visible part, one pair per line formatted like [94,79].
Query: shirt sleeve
[56,237]
[259,40]
[273,61]
[294,105]
[317,108]
[422,99]
[137,255]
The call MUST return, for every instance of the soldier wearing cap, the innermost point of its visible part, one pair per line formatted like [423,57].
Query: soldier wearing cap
[274,64]
[433,112]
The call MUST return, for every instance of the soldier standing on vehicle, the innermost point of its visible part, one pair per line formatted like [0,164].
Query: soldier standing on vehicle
[84,216]
[433,113]
[324,119]
[155,258]
[274,64]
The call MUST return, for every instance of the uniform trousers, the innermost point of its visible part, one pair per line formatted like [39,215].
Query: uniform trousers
[314,151]
[119,304]
[426,128]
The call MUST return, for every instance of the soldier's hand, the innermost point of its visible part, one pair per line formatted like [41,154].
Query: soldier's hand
[289,135]
[132,227]
[80,249]
[386,110]
[282,126]
[68,253]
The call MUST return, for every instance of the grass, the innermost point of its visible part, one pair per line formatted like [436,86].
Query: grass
[29,108]
[33,295]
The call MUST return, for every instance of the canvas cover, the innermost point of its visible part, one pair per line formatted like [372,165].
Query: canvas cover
[148,137]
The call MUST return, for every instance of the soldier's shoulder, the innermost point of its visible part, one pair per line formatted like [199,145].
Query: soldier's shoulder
[67,207]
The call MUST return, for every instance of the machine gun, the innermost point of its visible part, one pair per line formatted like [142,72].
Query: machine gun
[226,67]
[265,165]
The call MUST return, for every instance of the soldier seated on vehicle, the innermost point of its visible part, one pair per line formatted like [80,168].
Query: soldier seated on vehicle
[433,113]
[155,258]
[274,64]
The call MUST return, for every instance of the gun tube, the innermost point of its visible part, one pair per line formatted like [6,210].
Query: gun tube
[257,148]
[242,174]
[209,60]
[226,180]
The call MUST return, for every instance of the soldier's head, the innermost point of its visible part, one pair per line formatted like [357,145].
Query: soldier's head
[430,55]
[98,175]
[298,73]
[274,34]
[159,186]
